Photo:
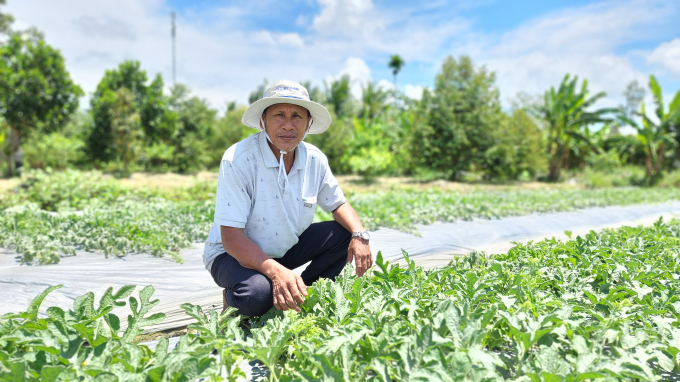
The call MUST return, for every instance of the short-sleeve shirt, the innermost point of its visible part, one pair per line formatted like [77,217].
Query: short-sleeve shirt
[249,196]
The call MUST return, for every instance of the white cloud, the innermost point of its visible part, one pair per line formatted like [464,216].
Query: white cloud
[414,91]
[667,55]
[385,84]
[359,74]
[223,61]
[580,41]
[344,17]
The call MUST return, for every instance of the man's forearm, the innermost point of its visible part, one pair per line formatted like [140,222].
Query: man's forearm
[348,218]
[247,253]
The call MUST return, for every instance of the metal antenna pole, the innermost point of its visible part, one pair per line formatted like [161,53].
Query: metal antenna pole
[174,65]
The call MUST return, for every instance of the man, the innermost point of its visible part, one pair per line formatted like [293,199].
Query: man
[269,185]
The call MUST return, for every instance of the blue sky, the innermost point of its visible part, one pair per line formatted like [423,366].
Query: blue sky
[226,48]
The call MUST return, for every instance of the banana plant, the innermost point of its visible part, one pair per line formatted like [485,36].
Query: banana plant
[656,135]
[565,112]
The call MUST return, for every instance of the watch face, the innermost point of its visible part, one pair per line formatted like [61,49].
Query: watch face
[365,236]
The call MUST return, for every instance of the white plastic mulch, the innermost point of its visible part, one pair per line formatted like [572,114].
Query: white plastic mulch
[190,282]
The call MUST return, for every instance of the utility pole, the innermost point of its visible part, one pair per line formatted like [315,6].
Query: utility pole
[174,65]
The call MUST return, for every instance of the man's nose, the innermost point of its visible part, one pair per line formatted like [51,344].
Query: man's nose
[288,123]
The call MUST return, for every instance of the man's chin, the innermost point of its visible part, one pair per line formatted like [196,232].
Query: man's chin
[287,145]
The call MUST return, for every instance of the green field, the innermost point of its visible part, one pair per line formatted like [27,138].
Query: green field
[600,307]
[56,214]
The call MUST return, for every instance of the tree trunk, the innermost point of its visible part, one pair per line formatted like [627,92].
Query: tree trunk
[649,169]
[555,164]
[14,139]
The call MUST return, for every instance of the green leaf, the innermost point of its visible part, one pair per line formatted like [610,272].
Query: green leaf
[32,312]
[658,97]
[50,373]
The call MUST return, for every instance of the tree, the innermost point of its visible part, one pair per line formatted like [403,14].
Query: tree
[396,63]
[6,20]
[373,100]
[459,120]
[338,95]
[565,113]
[36,90]
[518,150]
[195,121]
[125,126]
[156,119]
[656,136]
[634,95]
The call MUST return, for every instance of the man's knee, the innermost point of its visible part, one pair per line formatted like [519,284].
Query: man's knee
[339,235]
[253,296]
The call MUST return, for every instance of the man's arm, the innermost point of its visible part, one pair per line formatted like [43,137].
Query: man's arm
[359,249]
[287,285]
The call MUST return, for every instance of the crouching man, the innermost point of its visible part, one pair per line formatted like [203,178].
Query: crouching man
[269,185]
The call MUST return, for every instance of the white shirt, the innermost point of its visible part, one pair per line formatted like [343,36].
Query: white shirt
[249,197]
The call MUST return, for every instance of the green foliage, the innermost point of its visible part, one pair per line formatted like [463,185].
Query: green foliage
[53,214]
[156,119]
[227,131]
[36,91]
[335,142]
[403,209]
[396,63]
[125,126]
[603,175]
[195,121]
[519,150]
[603,306]
[6,20]
[371,149]
[54,150]
[656,137]
[154,226]
[373,100]
[52,190]
[460,120]
[339,96]
[565,113]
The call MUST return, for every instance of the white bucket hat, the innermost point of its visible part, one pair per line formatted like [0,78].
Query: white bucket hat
[287,92]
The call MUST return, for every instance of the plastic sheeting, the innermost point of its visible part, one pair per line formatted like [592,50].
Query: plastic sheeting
[190,282]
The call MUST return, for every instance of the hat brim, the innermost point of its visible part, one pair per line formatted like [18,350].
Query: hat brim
[321,116]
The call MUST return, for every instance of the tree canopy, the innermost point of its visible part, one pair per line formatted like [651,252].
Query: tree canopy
[36,91]
[460,119]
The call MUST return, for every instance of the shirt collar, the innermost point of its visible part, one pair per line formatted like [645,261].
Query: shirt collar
[270,160]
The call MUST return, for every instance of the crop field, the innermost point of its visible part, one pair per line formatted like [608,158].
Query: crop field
[54,214]
[600,307]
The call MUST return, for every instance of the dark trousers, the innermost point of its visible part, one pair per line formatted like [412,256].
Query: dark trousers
[324,244]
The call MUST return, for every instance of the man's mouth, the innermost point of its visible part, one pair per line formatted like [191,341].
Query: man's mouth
[287,137]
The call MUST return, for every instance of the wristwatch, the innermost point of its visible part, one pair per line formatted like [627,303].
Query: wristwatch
[364,235]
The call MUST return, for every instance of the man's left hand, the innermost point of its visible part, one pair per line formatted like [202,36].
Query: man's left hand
[360,251]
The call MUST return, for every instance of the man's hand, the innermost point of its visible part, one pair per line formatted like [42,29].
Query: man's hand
[288,289]
[360,251]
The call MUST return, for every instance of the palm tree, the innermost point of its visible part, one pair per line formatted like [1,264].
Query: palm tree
[564,112]
[656,137]
[373,100]
[338,94]
[396,63]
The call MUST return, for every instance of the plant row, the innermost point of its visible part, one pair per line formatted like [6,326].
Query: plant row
[92,213]
[600,307]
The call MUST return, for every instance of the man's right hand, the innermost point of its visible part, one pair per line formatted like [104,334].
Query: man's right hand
[288,289]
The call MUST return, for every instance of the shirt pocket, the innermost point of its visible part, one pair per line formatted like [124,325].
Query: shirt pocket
[309,205]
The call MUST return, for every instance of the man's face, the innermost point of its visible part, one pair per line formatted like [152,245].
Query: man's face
[286,125]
